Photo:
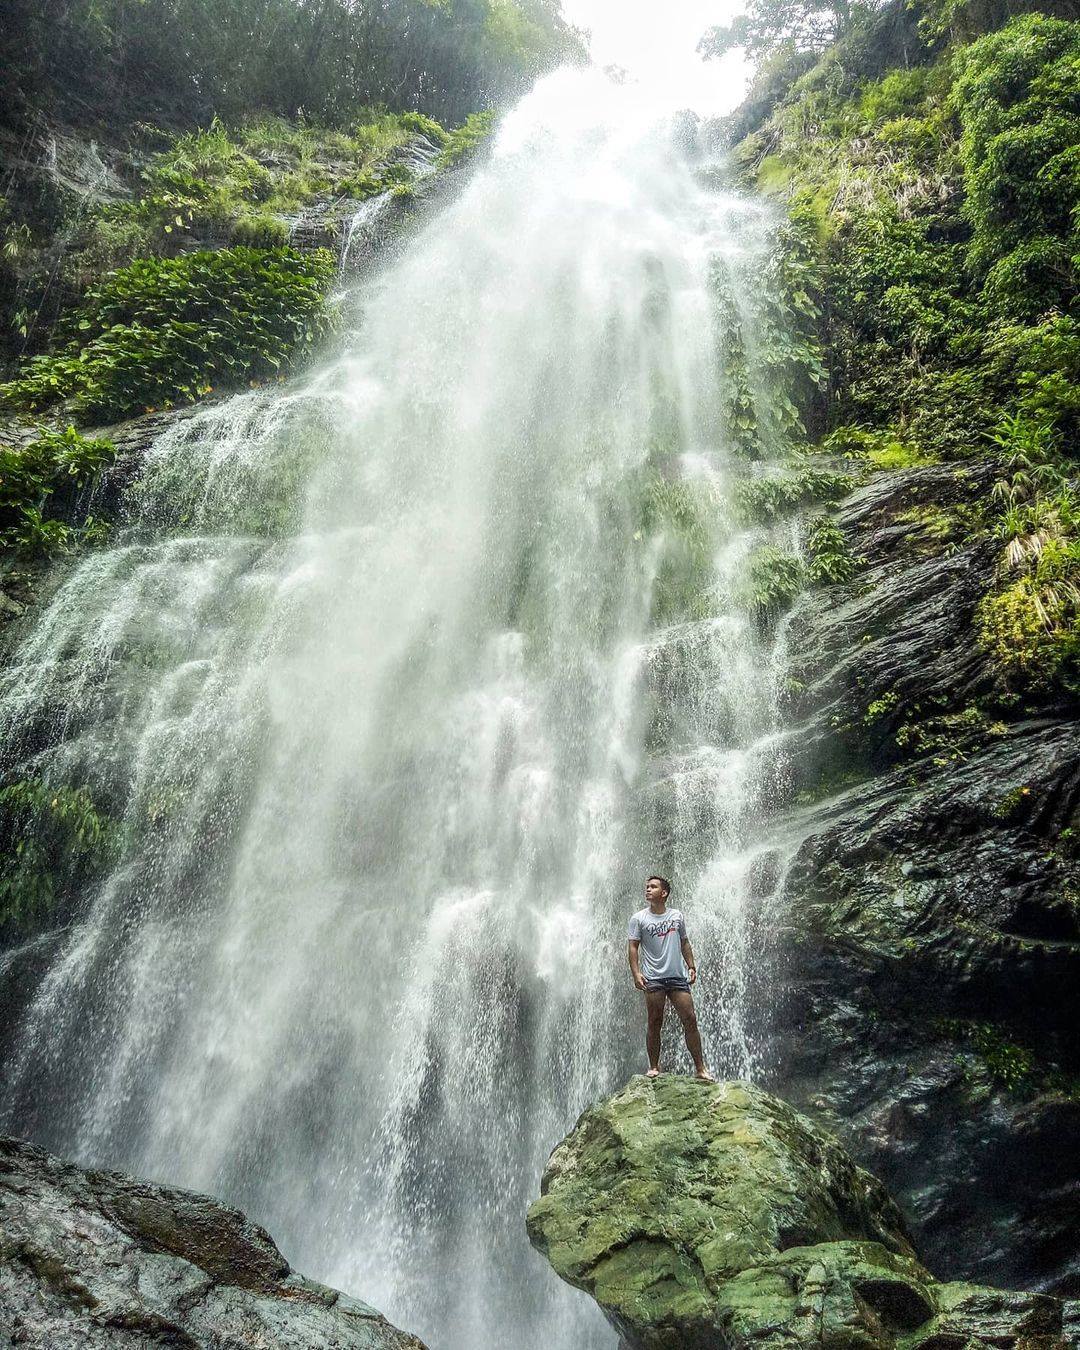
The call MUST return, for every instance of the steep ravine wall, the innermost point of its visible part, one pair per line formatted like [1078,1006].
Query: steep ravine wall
[927,936]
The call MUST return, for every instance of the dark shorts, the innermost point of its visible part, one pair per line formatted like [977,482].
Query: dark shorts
[672,986]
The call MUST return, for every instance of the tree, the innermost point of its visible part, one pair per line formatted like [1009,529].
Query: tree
[177,62]
[768,25]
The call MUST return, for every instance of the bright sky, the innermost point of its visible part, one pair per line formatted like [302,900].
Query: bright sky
[655,41]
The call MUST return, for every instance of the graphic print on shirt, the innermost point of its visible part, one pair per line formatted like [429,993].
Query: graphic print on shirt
[662,929]
[659,955]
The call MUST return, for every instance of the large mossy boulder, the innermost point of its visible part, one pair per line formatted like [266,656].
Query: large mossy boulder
[703,1217]
[91,1259]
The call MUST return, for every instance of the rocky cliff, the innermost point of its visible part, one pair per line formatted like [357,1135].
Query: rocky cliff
[705,1216]
[99,1259]
[925,946]
[919,926]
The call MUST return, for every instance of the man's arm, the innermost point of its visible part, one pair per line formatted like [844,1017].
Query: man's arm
[688,957]
[632,956]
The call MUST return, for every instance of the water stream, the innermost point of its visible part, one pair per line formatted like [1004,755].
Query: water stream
[401,677]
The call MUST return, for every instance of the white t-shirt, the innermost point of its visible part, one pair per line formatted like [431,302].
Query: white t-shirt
[661,937]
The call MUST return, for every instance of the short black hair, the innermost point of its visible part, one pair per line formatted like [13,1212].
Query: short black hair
[662,880]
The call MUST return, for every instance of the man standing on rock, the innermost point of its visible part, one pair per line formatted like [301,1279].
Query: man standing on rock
[662,964]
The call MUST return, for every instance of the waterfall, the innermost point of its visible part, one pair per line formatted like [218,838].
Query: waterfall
[400,678]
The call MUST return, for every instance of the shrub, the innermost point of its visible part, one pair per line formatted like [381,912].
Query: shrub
[260,231]
[950,736]
[395,177]
[53,842]
[242,183]
[1031,628]
[1014,1067]
[164,329]
[771,356]
[879,449]
[760,500]
[1017,93]
[831,559]
[40,480]
[774,579]
[897,94]
[464,140]
[678,515]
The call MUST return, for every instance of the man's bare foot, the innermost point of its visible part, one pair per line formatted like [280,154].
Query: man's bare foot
[653,1073]
[704,1076]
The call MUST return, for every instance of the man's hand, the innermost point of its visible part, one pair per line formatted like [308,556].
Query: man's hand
[691,972]
[639,980]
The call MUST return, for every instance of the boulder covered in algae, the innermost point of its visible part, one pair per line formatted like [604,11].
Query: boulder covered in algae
[704,1216]
[91,1259]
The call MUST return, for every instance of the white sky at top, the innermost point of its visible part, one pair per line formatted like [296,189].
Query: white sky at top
[655,41]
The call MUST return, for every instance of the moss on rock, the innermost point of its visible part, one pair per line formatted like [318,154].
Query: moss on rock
[703,1215]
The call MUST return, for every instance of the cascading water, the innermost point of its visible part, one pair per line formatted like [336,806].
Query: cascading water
[401,679]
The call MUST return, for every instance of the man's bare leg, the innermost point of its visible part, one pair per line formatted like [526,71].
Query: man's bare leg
[684,1006]
[654,1003]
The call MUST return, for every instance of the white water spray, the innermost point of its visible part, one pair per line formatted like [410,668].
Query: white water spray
[401,681]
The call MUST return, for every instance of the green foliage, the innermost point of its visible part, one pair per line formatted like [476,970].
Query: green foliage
[1012,1066]
[946,196]
[1030,622]
[881,707]
[765,499]
[53,841]
[243,183]
[769,26]
[950,736]
[677,518]
[1044,361]
[896,455]
[771,357]
[831,560]
[899,94]
[1031,628]
[878,449]
[947,201]
[396,178]
[1017,94]
[41,481]
[418,125]
[164,329]
[774,579]
[259,230]
[202,177]
[183,61]
[933,525]
[1012,803]
[462,142]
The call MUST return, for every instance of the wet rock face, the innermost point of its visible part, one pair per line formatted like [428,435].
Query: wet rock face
[715,1217]
[93,1259]
[928,929]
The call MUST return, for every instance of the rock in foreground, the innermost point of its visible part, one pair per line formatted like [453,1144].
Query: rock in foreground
[92,1259]
[703,1217]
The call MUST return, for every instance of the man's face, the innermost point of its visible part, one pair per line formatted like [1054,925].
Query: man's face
[654,891]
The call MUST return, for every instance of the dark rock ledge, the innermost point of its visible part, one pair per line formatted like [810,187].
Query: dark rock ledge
[91,1259]
[716,1217]
[918,976]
